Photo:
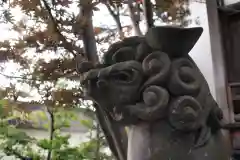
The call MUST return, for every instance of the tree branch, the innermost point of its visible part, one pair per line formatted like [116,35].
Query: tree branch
[117,20]
[67,45]
[16,77]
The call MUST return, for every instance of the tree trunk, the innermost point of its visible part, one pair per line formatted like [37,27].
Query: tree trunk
[110,129]
[135,18]
[51,132]
[88,35]
[147,9]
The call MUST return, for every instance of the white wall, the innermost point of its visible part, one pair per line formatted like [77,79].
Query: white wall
[201,53]
[228,2]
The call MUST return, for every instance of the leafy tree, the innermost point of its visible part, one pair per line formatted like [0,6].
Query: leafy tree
[17,143]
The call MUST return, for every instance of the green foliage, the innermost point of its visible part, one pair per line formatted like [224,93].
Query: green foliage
[87,123]
[17,143]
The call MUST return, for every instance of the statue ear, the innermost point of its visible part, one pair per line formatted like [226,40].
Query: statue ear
[124,54]
[132,42]
[175,41]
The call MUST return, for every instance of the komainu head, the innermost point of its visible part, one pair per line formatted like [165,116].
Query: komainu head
[153,79]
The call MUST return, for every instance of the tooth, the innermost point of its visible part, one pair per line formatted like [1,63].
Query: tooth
[119,116]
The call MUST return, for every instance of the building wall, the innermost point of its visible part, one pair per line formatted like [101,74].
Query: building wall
[201,53]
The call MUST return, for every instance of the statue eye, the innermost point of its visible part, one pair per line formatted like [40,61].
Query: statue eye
[122,76]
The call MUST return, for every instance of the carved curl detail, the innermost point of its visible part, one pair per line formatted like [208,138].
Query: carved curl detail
[155,101]
[157,66]
[185,113]
[185,79]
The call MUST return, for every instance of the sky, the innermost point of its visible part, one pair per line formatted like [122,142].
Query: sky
[200,53]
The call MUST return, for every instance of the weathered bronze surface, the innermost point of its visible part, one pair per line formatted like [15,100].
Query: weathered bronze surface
[152,85]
